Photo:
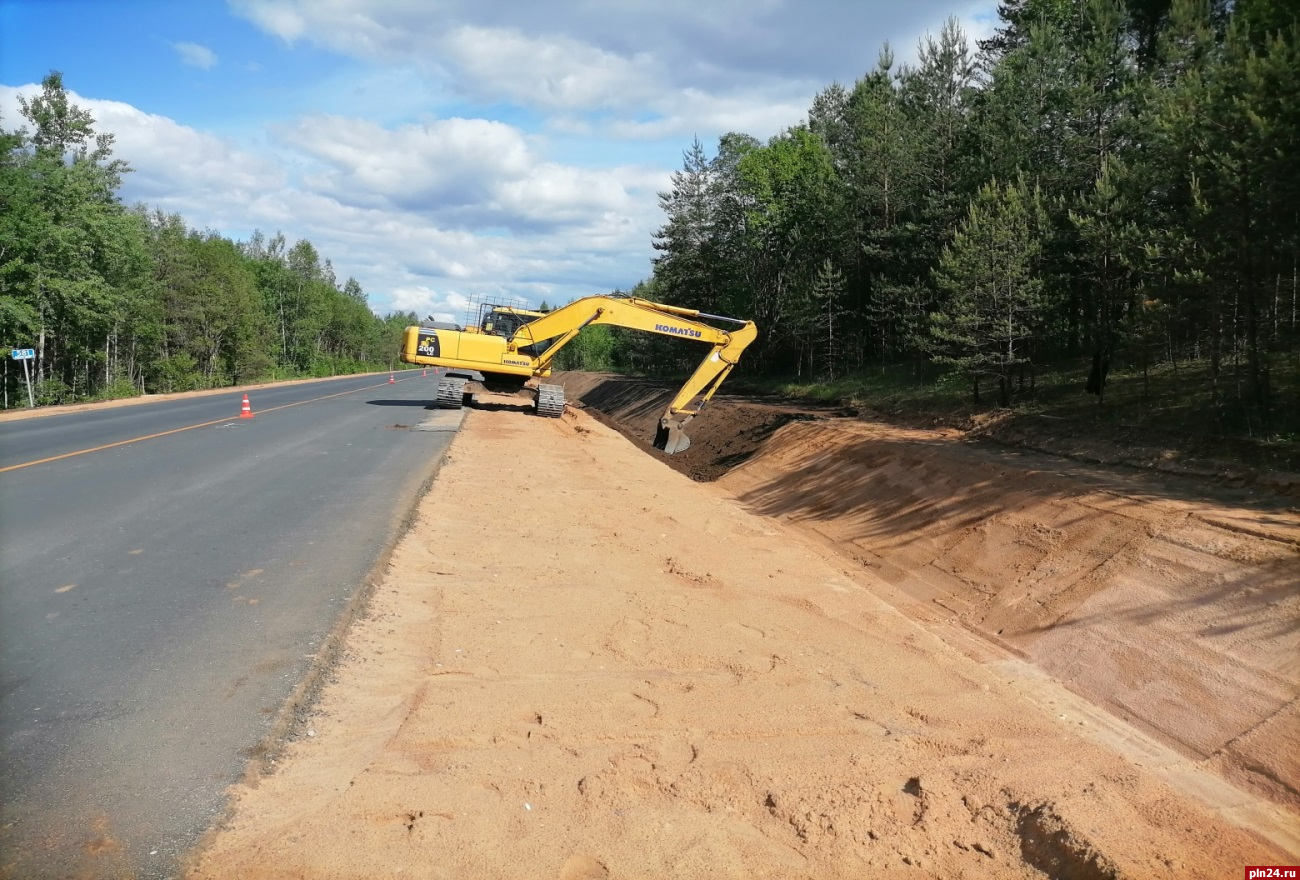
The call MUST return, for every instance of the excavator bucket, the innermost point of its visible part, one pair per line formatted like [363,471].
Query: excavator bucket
[671,436]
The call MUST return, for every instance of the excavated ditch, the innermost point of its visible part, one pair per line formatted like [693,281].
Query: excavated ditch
[633,407]
[1171,608]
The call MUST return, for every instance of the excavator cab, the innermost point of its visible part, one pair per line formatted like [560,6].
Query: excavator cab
[504,321]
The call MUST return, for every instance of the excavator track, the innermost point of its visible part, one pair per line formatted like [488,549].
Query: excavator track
[550,400]
[451,392]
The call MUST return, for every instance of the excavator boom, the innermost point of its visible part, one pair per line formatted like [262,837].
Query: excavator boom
[563,324]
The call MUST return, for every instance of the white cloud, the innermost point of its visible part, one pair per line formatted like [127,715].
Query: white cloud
[176,167]
[195,55]
[634,95]
[448,161]
[425,302]
[752,113]
[979,21]
[416,213]
[465,173]
[647,68]
[554,72]
[277,18]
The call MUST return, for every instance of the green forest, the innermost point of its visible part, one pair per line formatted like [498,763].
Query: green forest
[1104,194]
[119,301]
[1102,187]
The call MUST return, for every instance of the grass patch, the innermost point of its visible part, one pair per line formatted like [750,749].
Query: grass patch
[1173,408]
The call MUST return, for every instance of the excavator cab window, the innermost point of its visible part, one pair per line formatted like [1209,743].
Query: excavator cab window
[498,321]
[494,322]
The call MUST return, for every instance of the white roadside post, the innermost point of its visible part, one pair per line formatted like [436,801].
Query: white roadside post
[25,355]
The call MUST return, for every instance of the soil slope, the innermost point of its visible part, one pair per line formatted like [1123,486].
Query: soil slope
[583,664]
[1176,612]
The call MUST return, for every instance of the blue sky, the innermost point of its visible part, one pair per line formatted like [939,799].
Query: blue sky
[438,150]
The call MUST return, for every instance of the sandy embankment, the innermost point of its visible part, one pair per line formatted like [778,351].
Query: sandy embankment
[1173,603]
[582,664]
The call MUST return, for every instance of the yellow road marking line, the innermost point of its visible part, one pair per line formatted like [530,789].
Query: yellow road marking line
[27,464]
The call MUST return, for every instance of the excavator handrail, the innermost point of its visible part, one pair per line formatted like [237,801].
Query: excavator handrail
[722,318]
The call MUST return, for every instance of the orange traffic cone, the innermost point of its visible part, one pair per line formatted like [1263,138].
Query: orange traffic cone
[245,411]
[391,380]
[426,375]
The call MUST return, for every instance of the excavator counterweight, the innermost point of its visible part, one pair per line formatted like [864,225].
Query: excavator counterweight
[511,348]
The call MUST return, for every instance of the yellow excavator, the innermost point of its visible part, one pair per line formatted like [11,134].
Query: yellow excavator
[509,348]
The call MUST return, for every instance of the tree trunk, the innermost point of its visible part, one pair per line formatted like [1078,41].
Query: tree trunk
[1146,379]
[1216,336]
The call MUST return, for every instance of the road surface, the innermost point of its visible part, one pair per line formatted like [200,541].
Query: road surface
[167,574]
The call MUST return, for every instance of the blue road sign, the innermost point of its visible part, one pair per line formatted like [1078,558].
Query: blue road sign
[23,354]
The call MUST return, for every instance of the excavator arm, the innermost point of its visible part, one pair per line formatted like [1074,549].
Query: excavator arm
[563,324]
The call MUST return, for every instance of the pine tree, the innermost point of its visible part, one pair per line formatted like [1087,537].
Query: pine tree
[829,343]
[994,296]
[883,186]
[1106,251]
[684,242]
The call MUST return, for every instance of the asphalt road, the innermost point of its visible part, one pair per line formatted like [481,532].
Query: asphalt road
[160,599]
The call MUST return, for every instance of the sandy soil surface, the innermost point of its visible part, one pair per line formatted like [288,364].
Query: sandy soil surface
[1174,604]
[583,665]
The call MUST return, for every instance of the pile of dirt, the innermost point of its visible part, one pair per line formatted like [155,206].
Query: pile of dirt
[612,671]
[1175,612]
